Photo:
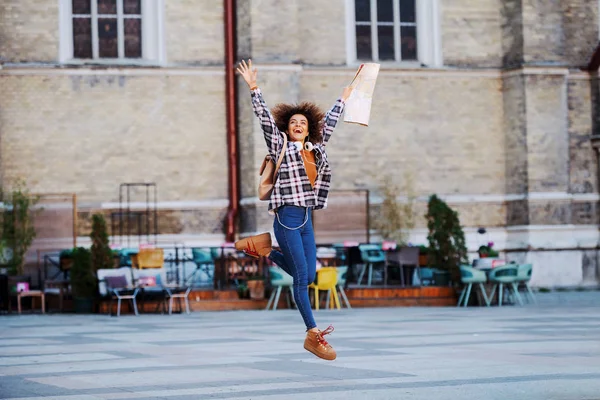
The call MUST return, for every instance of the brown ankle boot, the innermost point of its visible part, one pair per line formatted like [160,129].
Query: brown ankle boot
[316,344]
[255,246]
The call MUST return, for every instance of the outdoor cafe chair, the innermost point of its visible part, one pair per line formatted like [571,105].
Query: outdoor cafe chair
[150,282]
[469,276]
[505,275]
[342,272]
[326,280]
[117,284]
[372,256]
[523,277]
[149,258]
[280,280]
[402,257]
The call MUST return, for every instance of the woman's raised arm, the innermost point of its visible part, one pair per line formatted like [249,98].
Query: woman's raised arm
[272,135]
[333,115]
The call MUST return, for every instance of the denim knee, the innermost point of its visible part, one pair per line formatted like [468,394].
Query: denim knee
[311,277]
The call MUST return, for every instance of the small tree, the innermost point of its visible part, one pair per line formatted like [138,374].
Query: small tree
[102,257]
[18,230]
[447,249]
[395,218]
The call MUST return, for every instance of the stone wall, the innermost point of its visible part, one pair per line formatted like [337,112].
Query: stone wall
[86,133]
[29,31]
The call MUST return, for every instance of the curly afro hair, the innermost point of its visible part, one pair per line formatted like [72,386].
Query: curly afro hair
[282,113]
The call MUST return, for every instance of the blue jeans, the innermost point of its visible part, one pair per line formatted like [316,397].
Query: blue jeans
[298,256]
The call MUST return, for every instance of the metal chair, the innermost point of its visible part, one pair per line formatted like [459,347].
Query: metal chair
[150,282]
[504,275]
[341,282]
[117,283]
[523,277]
[405,256]
[280,280]
[178,292]
[469,276]
[371,255]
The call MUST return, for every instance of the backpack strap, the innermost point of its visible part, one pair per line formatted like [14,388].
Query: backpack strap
[281,156]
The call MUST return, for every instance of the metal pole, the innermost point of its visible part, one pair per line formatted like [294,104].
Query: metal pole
[368,217]
[127,217]
[231,112]
[74,199]
[147,213]
[155,215]
[121,214]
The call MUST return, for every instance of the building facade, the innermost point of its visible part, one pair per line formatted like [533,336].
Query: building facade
[484,103]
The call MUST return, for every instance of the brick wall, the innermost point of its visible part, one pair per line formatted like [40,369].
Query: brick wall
[88,133]
[194,32]
[28,30]
[471,32]
[457,133]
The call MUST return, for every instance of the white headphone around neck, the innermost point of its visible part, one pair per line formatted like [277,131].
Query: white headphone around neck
[308,146]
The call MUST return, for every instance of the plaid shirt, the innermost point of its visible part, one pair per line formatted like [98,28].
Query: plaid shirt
[292,186]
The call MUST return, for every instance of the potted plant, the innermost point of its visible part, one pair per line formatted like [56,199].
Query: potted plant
[242,290]
[102,254]
[486,251]
[256,286]
[447,249]
[17,226]
[83,281]
[395,219]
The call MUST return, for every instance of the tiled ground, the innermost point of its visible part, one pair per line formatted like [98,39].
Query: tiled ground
[549,351]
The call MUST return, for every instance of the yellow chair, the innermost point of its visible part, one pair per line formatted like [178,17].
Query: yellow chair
[326,280]
[149,258]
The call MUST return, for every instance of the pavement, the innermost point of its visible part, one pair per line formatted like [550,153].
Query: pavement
[546,351]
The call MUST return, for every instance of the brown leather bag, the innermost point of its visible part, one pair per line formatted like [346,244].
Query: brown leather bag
[268,173]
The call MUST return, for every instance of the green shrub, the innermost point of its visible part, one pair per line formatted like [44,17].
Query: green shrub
[83,279]
[447,249]
[102,254]
[17,225]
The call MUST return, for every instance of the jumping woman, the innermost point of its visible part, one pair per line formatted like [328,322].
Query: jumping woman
[302,185]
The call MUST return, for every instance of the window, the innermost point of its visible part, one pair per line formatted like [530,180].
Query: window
[111,31]
[394,31]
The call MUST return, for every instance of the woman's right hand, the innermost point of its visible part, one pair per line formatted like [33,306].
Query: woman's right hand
[248,73]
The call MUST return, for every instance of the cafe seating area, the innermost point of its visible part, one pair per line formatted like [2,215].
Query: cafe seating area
[181,279]
[497,283]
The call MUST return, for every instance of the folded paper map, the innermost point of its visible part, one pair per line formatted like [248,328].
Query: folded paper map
[358,105]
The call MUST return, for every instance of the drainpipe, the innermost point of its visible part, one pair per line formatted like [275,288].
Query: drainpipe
[231,110]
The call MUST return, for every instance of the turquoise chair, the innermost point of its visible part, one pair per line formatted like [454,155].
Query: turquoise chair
[469,276]
[340,252]
[279,279]
[341,282]
[204,261]
[523,278]
[371,255]
[505,275]
[125,256]
[426,276]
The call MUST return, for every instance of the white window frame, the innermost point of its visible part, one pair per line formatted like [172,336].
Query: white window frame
[153,48]
[429,41]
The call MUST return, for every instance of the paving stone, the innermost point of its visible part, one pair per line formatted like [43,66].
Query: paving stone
[547,351]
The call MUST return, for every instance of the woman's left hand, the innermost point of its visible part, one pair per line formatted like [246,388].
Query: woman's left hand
[346,93]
